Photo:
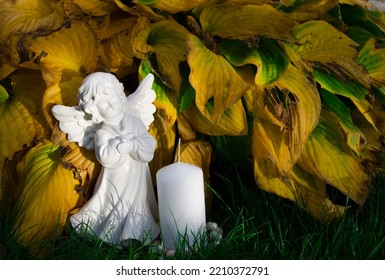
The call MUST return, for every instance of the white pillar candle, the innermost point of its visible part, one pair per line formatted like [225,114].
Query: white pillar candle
[182,213]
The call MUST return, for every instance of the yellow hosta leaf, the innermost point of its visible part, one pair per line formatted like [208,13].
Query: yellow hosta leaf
[96,7]
[373,58]
[256,103]
[368,111]
[73,49]
[374,149]
[165,144]
[138,9]
[79,158]
[48,194]
[318,41]
[245,21]
[321,42]
[311,9]
[311,195]
[307,191]
[172,6]
[84,161]
[267,176]
[168,39]
[373,113]
[117,52]
[111,26]
[271,147]
[298,114]
[185,131]
[232,122]
[140,34]
[25,16]
[327,156]
[64,92]
[217,85]
[20,114]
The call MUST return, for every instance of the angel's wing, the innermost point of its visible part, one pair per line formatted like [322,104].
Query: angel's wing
[140,103]
[74,122]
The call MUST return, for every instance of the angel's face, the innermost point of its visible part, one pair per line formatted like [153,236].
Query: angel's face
[102,98]
[110,109]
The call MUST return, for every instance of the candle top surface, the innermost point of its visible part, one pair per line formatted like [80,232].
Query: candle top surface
[179,168]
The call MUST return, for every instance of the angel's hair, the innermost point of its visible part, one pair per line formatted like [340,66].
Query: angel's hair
[99,84]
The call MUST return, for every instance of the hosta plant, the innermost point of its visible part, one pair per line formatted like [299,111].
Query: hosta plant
[293,88]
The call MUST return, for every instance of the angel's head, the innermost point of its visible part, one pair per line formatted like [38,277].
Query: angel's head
[102,96]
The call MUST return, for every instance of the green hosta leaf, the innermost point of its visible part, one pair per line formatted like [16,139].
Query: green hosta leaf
[378,17]
[345,87]
[245,21]
[334,18]
[187,92]
[47,194]
[3,94]
[359,16]
[354,137]
[217,84]
[380,94]
[327,156]
[340,86]
[373,58]
[361,35]
[268,57]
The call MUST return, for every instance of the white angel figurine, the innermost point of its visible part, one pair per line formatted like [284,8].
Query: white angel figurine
[123,205]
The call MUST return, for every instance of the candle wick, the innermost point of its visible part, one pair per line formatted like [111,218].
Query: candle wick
[179,150]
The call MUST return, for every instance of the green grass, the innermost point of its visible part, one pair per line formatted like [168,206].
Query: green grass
[256,225]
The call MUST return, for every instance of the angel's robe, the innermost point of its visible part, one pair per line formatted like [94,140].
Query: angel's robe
[123,205]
